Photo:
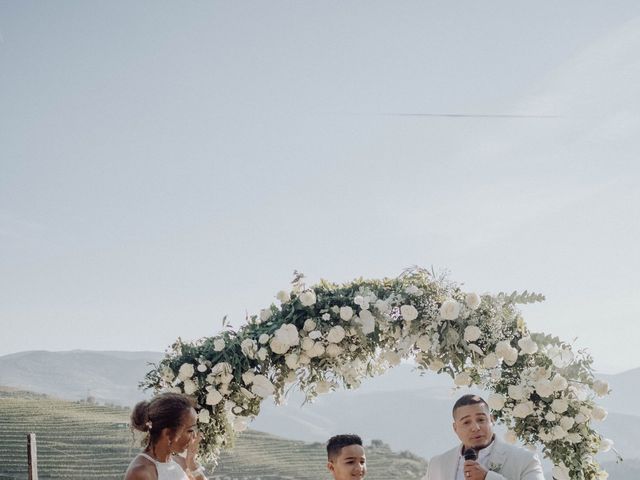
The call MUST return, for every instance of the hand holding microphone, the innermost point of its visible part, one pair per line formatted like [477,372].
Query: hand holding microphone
[472,469]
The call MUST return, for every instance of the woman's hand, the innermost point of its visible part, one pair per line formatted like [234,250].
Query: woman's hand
[192,451]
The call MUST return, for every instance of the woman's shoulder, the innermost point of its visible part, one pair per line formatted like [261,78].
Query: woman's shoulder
[141,468]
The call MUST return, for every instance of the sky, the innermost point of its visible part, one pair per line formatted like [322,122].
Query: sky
[163,164]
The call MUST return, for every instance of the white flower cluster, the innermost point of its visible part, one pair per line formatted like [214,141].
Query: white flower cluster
[327,336]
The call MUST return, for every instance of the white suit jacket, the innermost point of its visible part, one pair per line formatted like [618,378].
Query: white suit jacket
[508,462]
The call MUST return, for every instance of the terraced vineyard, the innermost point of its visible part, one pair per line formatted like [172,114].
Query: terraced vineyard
[80,440]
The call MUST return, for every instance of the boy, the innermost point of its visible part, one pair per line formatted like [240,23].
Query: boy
[345,457]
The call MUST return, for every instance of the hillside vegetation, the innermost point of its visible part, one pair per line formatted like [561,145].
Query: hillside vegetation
[81,440]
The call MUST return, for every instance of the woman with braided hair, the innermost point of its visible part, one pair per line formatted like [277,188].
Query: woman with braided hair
[170,422]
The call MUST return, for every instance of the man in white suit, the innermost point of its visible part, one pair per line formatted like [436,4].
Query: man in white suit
[494,460]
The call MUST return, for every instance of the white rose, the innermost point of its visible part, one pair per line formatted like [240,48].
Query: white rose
[560,472]
[336,334]
[544,388]
[218,344]
[262,354]
[367,321]
[544,436]
[559,405]
[392,357]
[496,401]
[423,343]
[472,300]
[567,423]
[490,361]
[288,333]
[249,347]
[186,371]
[408,312]
[333,350]
[527,345]
[501,347]
[346,313]
[523,410]
[316,351]
[382,306]
[581,418]
[559,383]
[558,432]
[516,392]
[307,344]
[304,359]
[190,387]
[263,338]
[598,413]
[326,317]
[307,298]
[510,437]
[606,444]
[436,365]
[204,416]
[292,360]
[462,379]
[510,356]
[309,325]
[507,352]
[283,296]
[601,388]
[603,475]
[550,417]
[450,309]
[277,346]
[226,378]
[323,387]
[574,437]
[472,333]
[247,377]
[262,386]
[265,314]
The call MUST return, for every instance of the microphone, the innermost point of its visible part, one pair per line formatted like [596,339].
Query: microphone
[470,454]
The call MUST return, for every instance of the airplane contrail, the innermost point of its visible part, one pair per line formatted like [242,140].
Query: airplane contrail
[465,115]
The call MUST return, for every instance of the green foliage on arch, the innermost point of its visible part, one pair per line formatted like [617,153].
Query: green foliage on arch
[329,336]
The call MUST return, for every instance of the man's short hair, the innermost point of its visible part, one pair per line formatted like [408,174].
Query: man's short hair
[468,399]
[338,442]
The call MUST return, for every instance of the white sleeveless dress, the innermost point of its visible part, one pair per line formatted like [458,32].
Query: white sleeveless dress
[170,470]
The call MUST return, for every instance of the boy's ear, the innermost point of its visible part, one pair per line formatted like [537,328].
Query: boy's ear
[330,466]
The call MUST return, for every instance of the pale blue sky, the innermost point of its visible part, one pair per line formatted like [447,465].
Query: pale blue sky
[166,163]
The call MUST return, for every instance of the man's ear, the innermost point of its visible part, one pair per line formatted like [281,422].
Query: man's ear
[455,427]
[330,466]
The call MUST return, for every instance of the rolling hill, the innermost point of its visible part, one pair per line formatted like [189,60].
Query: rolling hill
[81,440]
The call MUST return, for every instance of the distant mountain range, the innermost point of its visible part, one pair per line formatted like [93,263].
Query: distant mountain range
[109,377]
[404,409]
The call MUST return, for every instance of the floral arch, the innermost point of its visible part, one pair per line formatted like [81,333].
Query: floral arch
[326,336]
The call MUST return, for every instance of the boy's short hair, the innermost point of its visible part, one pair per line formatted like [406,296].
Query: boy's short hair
[338,442]
[468,399]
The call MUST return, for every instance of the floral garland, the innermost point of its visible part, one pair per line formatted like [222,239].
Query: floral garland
[327,336]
